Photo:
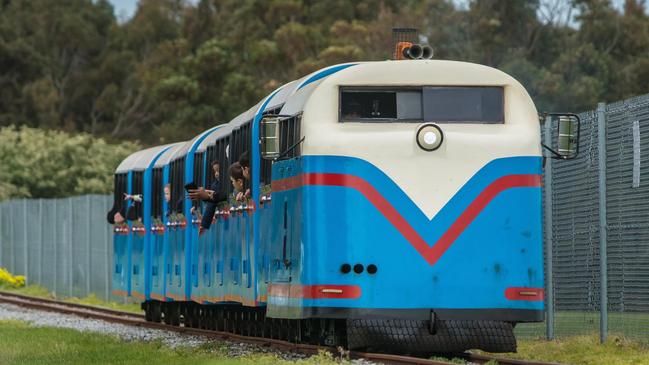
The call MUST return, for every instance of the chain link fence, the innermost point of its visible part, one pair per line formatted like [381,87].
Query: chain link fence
[66,245]
[579,230]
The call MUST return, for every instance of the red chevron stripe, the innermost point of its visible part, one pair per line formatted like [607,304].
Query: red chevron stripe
[429,253]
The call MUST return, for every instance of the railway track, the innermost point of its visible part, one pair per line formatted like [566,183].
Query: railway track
[132,319]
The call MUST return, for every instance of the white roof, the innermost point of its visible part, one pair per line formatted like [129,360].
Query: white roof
[140,160]
[168,154]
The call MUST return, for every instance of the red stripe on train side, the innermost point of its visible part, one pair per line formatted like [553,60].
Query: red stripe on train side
[522,293]
[430,253]
[314,291]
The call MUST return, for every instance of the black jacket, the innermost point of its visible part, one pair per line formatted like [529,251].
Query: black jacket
[210,206]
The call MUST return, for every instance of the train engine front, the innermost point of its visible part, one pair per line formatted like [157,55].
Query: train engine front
[412,212]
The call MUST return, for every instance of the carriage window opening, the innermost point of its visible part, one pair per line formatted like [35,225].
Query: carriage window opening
[211,156]
[198,175]
[463,104]
[120,189]
[177,185]
[157,193]
[289,129]
[369,104]
[137,189]
[224,163]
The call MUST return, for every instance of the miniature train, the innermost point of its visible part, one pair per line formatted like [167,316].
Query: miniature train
[394,206]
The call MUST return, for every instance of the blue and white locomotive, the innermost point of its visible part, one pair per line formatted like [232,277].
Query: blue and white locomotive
[394,205]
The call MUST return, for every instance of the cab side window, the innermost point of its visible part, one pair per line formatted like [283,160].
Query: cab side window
[439,104]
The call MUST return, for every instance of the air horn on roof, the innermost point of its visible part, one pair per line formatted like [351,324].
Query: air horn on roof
[405,46]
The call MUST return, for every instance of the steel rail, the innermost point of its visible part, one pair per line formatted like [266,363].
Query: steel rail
[138,320]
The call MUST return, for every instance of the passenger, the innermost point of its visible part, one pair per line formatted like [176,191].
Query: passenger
[210,206]
[167,192]
[132,213]
[118,214]
[237,179]
[179,204]
[244,161]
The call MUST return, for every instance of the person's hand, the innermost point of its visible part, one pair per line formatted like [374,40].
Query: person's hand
[201,230]
[247,193]
[199,194]
[126,196]
[240,197]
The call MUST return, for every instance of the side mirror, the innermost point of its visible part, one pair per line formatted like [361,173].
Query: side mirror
[269,128]
[567,135]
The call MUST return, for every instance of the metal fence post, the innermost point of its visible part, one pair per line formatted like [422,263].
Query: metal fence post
[603,228]
[12,239]
[40,241]
[26,242]
[547,184]
[1,230]
[89,245]
[70,261]
[54,246]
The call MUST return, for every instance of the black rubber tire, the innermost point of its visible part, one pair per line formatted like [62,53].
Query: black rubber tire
[413,337]
[148,315]
[156,311]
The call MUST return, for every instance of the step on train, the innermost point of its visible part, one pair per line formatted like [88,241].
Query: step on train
[393,206]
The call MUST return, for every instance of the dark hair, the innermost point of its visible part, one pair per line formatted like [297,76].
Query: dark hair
[244,161]
[236,171]
[216,163]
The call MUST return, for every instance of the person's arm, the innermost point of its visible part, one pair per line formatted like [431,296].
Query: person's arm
[217,197]
[206,221]
[199,194]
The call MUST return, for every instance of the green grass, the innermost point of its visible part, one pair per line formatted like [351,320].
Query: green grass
[41,292]
[23,344]
[630,325]
[583,350]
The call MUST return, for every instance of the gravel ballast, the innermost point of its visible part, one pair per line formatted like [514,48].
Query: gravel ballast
[130,333]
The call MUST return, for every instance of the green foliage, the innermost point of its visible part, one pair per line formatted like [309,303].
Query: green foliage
[178,67]
[36,163]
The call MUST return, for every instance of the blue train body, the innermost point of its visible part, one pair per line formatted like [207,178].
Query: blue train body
[338,231]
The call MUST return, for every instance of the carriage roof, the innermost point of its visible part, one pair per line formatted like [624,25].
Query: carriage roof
[140,160]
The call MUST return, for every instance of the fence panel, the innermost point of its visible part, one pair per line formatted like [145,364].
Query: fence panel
[64,245]
[627,181]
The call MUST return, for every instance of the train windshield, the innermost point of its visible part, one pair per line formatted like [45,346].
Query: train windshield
[440,104]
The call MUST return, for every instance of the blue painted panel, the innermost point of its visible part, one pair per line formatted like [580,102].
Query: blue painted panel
[286,240]
[138,259]
[501,247]
[120,264]
[157,265]
[161,255]
[129,237]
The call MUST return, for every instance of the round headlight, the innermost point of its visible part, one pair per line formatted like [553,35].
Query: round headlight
[429,137]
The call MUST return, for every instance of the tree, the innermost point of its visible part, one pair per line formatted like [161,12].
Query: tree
[48,164]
